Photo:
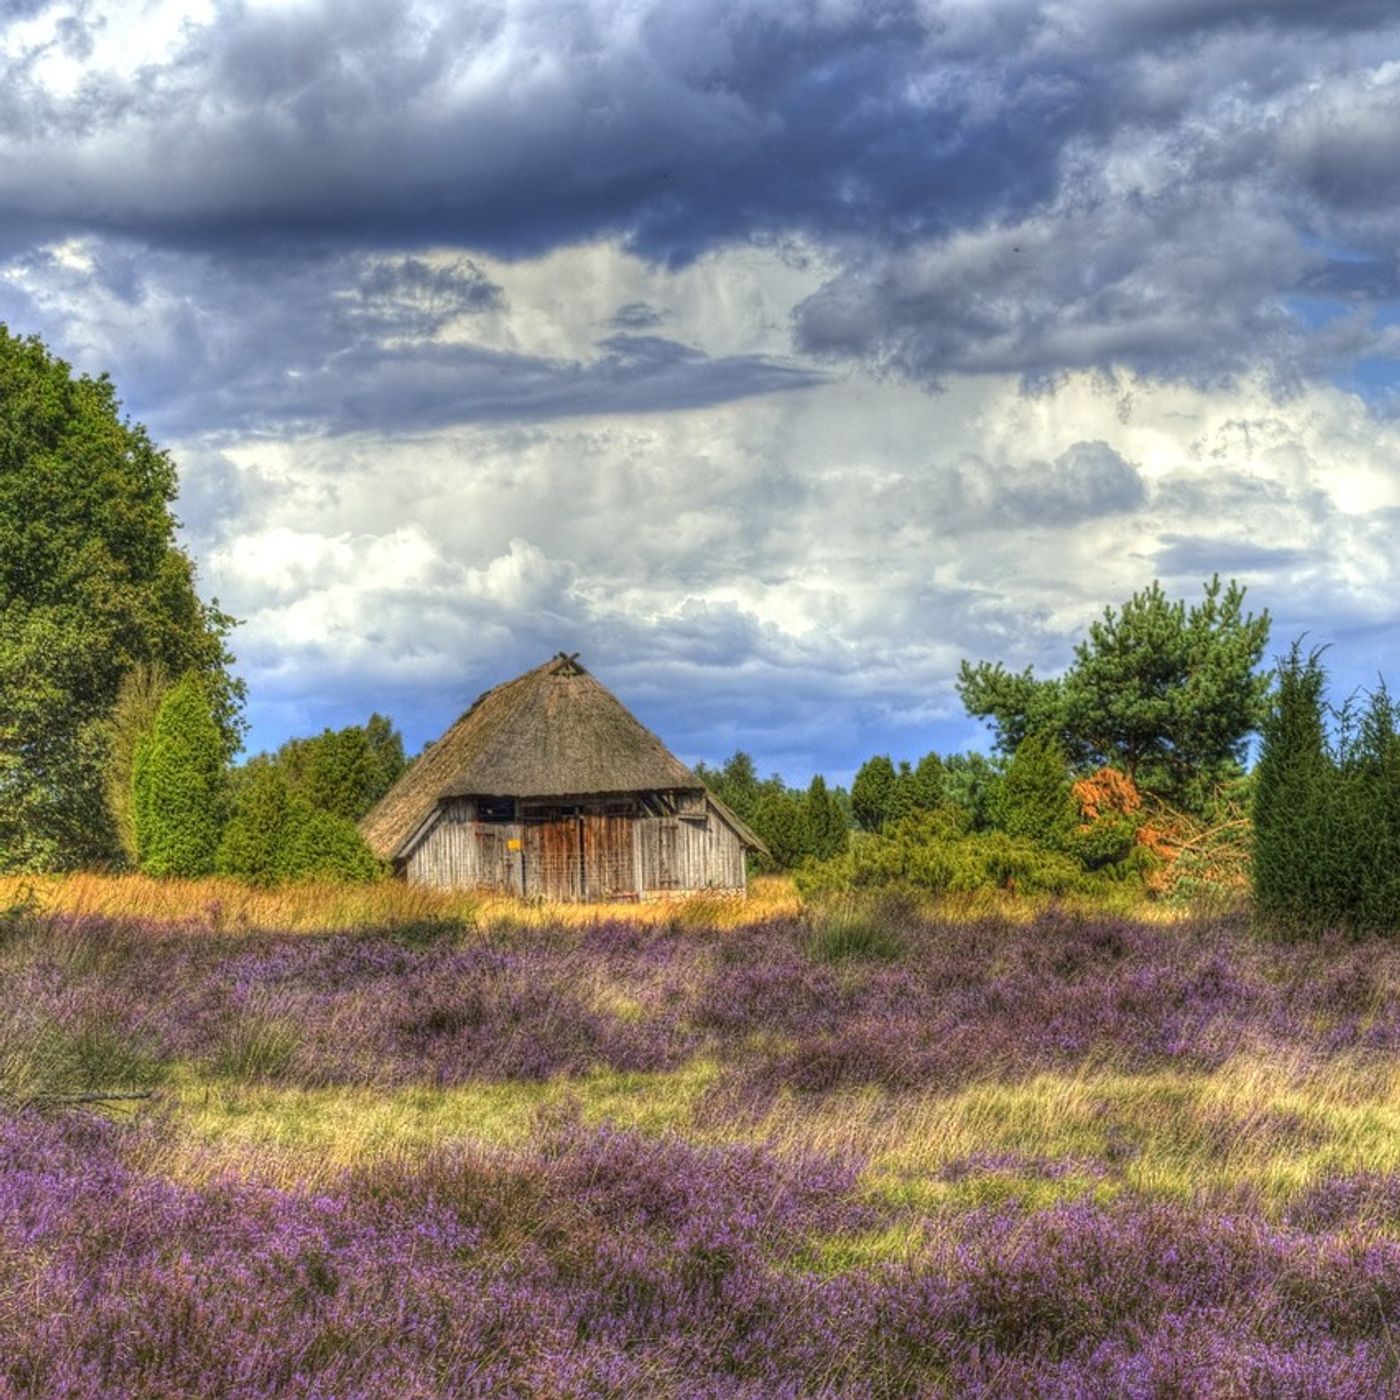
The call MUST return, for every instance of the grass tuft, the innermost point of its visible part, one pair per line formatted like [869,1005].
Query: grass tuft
[854,930]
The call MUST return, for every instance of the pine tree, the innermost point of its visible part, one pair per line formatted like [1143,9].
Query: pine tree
[179,784]
[1165,693]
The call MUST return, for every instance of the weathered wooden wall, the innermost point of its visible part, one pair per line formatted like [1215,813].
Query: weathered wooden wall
[572,858]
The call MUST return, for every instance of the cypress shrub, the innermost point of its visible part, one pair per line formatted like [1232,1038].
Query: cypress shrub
[781,820]
[320,845]
[1373,780]
[1301,860]
[1326,810]
[827,833]
[1035,799]
[179,784]
[872,793]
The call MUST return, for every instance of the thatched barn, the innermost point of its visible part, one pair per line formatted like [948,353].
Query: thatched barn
[549,787]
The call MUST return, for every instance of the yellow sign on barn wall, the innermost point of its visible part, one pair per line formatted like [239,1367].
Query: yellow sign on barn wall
[513,844]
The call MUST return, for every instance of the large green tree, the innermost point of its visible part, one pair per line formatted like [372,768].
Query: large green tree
[1169,694]
[92,584]
[344,771]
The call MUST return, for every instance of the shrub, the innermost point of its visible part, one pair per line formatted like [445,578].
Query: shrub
[827,833]
[275,835]
[934,851]
[872,792]
[321,845]
[1035,800]
[252,841]
[179,784]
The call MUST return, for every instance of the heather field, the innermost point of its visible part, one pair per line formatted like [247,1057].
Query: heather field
[695,1151]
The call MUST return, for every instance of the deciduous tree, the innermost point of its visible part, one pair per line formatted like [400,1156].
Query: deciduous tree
[91,585]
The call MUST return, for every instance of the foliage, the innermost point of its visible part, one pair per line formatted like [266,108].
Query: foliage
[970,782]
[1326,808]
[1167,694]
[735,783]
[178,784]
[1035,799]
[935,852]
[781,820]
[275,834]
[321,845]
[138,702]
[882,793]
[872,793]
[826,832]
[345,771]
[253,840]
[91,585]
[928,783]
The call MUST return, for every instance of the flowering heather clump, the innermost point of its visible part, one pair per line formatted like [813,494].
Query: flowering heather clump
[960,1001]
[601,1263]
[946,1198]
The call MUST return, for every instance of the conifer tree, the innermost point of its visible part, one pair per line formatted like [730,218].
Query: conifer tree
[826,823]
[929,781]
[1300,855]
[1035,799]
[781,820]
[252,842]
[872,792]
[1165,693]
[179,784]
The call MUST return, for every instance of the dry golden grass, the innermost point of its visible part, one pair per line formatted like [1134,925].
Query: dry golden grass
[1268,1127]
[225,905]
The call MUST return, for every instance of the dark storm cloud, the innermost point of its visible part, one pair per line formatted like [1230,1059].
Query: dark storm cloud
[342,343]
[515,130]
[1004,185]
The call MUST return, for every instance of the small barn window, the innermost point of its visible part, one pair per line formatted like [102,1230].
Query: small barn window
[691,805]
[495,809]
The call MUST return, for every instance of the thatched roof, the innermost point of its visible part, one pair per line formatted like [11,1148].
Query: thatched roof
[553,732]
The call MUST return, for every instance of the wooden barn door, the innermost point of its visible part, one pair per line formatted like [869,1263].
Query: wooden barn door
[609,858]
[553,866]
[580,857]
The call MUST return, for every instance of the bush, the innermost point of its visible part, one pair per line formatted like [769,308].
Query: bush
[1035,801]
[275,835]
[935,852]
[321,845]
[1326,810]
[179,784]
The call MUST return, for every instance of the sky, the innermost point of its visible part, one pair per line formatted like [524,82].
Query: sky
[774,355]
